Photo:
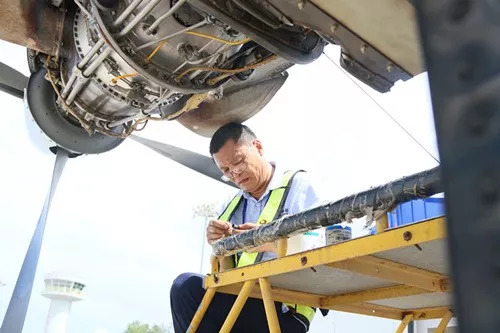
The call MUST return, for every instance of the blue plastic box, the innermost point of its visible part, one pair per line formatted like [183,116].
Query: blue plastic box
[414,211]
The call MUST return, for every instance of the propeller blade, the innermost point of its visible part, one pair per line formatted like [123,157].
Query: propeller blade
[197,162]
[12,81]
[13,321]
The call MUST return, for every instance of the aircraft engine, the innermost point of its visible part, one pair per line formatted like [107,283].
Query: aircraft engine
[125,63]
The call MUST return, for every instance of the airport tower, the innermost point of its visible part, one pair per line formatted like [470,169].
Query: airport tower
[62,291]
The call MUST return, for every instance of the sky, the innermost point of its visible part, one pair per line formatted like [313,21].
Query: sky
[123,221]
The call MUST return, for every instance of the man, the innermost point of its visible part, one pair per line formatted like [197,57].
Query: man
[240,156]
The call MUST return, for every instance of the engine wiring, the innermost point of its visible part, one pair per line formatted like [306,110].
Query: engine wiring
[222,70]
[224,41]
[159,46]
[83,122]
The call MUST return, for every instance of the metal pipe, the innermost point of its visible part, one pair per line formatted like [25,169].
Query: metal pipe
[165,16]
[104,54]
[82,8]
[126,12]
[69,84]
[122,121]
[145,11]
[379,199]
[76,89]
[93,66]
[91,53]
[197,25]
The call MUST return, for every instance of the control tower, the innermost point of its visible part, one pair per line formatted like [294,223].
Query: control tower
[62,290]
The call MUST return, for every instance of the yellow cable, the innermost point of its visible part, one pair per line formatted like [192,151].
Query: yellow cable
[228,42]
[194,33]
[221,70]
[119,77]
[148,59]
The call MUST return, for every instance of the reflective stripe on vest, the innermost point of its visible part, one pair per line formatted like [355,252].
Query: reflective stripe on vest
[270,213]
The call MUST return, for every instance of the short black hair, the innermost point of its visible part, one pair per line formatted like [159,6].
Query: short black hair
[234,131]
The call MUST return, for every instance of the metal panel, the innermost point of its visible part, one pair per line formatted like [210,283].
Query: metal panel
[387,25]
[417,301]
[432,257]
[32,23]
[327,281]
[460,39]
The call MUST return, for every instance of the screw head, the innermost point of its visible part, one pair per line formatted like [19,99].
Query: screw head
[407,236]
[303,260]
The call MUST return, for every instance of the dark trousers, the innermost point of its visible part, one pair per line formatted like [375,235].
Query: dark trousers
[185,297]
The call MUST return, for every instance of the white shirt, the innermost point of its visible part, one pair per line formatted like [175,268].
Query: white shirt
[301,196]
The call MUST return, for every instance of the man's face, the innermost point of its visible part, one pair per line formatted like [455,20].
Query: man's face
[242,163]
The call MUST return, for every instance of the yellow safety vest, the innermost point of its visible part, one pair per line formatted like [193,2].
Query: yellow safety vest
[270,213]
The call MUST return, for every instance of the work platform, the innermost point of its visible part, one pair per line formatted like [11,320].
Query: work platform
[399,273]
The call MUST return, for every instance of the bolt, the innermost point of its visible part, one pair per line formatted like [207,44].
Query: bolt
[407,236]
[389,67]
[301,4]
[303,260]
[334,27]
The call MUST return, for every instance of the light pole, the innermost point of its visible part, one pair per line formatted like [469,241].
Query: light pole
[208,212]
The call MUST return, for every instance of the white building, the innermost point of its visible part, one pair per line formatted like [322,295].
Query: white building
[62,290]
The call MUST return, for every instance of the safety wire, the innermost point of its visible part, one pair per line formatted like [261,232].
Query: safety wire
[194,33]
[383,109]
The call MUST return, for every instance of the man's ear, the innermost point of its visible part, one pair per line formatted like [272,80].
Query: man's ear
[259,146]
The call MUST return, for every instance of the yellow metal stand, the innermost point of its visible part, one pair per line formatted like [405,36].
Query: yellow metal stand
[444,322]
[267,296]
[392,272]
[406,320]
[198,316]
[237,306]
[382,224]
[282,247]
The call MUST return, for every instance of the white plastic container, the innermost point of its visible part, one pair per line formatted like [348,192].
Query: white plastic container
[337,233]
[306,241]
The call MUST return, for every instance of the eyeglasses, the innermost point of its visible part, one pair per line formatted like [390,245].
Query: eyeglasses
[238,168]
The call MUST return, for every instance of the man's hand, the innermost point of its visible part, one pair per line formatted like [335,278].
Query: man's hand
[217,229]
[268,247]
[243,227]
